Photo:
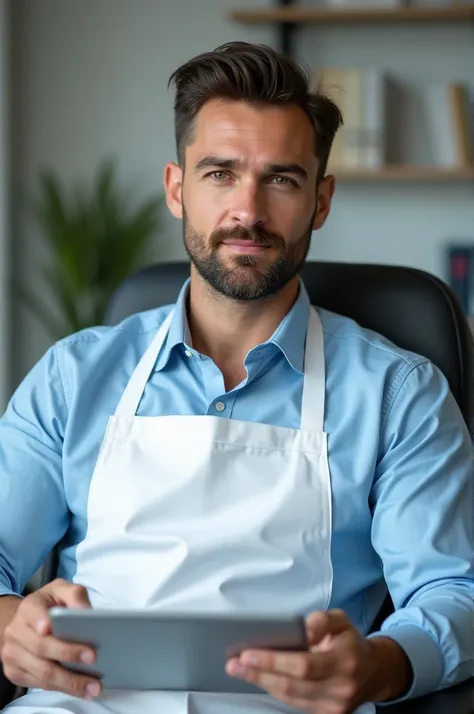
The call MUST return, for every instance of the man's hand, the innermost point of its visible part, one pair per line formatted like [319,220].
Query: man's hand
[30,654]
[340,671]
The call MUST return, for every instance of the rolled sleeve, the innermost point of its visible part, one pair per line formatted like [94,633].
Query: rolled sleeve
[423,530]
[33,509]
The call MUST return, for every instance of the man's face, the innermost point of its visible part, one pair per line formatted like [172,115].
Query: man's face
[248,196]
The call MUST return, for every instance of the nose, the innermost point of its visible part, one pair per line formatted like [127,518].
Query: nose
[248,207]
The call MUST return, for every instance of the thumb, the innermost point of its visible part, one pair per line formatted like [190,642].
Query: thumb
[322,625]
[59,593]
[77,596]
[67,594]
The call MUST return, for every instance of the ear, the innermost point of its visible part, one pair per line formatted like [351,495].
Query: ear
[326,190]
[173,181]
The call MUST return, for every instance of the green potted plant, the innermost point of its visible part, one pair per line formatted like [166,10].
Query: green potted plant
[97,237]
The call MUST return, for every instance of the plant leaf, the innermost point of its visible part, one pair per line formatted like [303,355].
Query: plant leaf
[43,314]
[97,238]
[67,297]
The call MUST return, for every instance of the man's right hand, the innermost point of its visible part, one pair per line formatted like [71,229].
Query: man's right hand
[30,654]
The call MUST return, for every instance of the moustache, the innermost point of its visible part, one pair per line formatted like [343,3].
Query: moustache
[257,235]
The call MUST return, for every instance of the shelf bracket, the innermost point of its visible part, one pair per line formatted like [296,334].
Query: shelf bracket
[286,31]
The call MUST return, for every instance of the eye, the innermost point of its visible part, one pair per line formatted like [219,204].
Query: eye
[283,181]
[218,175]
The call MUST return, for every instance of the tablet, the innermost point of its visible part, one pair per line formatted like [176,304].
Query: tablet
[147,650]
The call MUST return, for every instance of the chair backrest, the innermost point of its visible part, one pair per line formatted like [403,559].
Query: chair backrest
[412,308]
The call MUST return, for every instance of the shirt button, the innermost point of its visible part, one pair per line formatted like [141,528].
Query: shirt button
[188,353]
[220,406]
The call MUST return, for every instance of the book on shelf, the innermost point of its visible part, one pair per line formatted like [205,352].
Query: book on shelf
[460,269]
[361,96]
[449,109]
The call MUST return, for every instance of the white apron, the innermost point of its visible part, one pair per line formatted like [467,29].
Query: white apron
[205,513]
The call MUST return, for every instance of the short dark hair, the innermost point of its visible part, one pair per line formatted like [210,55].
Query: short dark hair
[256,74]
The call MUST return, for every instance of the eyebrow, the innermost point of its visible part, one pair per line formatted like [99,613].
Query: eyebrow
[232,164]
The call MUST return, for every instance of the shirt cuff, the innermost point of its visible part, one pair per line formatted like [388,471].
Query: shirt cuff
[6,591]
[424,656]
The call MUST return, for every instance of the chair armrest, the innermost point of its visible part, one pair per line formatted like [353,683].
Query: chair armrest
[7,690]
[454,700]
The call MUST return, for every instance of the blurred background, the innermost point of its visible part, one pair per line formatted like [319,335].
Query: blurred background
[86,126]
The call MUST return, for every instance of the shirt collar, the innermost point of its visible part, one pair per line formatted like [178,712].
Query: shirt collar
[289,337]
[178,333]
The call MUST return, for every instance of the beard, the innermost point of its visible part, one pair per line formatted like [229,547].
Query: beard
[249,277]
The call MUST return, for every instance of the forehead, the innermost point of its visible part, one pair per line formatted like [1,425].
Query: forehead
[257,133]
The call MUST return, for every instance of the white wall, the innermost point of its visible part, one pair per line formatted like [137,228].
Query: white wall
[4,203]
[90,79]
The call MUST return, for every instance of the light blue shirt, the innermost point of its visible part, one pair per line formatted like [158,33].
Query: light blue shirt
[400,459]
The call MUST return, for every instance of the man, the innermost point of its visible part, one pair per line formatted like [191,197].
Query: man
[290,460]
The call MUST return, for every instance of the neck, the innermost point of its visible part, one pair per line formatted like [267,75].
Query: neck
[225,330]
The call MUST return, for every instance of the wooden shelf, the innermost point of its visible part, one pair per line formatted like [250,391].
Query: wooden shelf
[423,174]
[324,14]
[299,14]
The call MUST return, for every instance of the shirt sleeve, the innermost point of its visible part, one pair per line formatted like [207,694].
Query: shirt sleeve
[423,529]
[33,510]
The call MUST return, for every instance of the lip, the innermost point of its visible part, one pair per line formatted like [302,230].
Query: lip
[244,246]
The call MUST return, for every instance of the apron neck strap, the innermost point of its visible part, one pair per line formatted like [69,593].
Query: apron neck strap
[314,382]
[128,405]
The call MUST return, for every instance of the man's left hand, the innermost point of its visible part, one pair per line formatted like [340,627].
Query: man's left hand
[341,670]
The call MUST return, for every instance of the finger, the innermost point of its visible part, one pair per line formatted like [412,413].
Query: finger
[321,624]
[49,647]
[297,665]
[16,675]
[279,686]
[49,675]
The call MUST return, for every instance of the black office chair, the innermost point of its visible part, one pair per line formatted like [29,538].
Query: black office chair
[410,307]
